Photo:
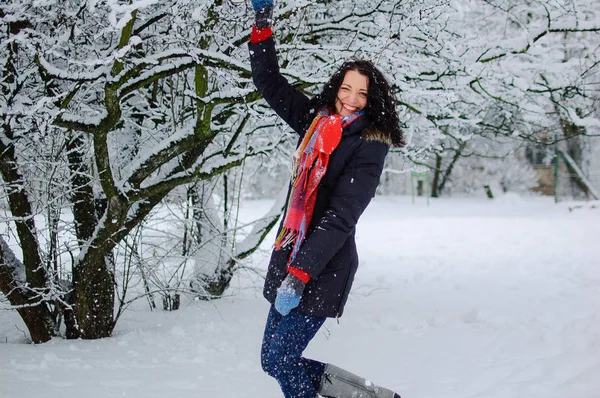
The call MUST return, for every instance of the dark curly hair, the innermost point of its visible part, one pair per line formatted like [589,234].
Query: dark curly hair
[381,106]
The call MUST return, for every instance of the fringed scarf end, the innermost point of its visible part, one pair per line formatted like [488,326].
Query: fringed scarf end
[285,237]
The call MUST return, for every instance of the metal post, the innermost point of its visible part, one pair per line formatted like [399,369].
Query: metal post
[427,190]
[556,160]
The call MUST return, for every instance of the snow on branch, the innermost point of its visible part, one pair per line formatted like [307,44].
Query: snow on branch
[127,9]
[536,37]
[55,72]
[145,165]
[154,74]
[86,124]
[166,185]
[237,95]
[188,60]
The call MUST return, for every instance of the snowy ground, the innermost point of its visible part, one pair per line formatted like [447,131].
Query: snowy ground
[465,298]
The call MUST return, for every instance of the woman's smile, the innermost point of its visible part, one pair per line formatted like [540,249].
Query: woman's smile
[352,94]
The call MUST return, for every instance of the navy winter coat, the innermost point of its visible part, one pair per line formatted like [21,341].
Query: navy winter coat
[328,253]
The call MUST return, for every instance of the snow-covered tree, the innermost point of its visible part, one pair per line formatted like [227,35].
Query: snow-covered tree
[531,68]
[144,97]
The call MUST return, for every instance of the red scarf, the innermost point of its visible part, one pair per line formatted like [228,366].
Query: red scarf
[310,165]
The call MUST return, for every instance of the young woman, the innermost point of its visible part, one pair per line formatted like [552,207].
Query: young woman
[345,133]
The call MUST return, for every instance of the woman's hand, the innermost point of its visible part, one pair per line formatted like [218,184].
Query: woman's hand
[260,4]
[264,13]
[289,294]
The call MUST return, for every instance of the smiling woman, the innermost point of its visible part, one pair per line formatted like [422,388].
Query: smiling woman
[360,85]
[344,136]
[352,95]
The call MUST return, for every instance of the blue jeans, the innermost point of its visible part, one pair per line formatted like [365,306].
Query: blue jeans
[285,339]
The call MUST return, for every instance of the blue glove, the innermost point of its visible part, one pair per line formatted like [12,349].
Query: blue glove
[289,294]
[260,4]
[264,13]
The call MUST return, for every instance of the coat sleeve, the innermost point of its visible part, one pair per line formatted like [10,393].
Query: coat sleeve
[353,192]
[290,104]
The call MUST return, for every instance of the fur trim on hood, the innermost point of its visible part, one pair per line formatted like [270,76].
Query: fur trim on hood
[373,134]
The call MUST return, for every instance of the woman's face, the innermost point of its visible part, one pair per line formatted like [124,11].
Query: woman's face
[352,94]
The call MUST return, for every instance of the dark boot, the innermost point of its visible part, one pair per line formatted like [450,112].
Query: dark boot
[339,383]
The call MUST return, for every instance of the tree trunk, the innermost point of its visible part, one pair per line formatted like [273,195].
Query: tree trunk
[435,191]
[93,297]
[448,171]
[84,209]
[20,293]
[574,149]
[215,287]
[37,318]
[84,203]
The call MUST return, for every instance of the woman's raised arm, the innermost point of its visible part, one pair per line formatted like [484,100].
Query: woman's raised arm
[290,104]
